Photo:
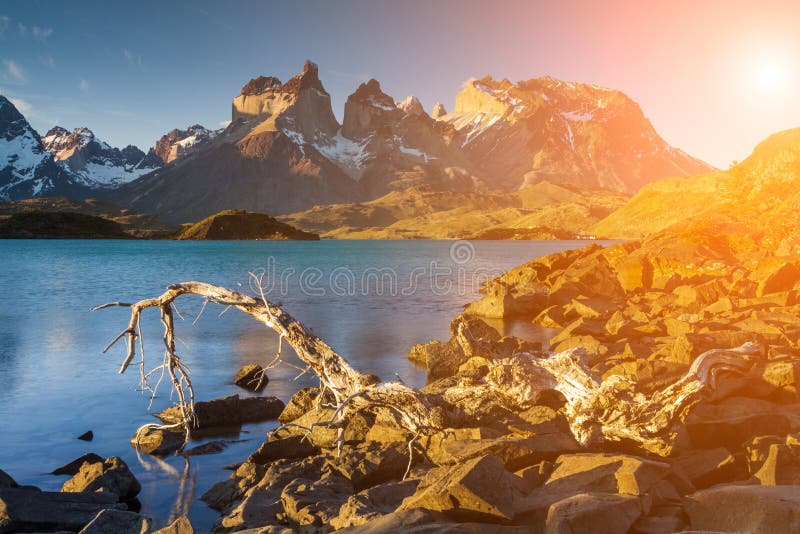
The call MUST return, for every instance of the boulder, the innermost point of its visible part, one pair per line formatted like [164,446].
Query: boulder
[118,522]
[593,513]
[732,421]
[301,402]
[515,452]
[315,502]
[753,509]
[708,467]
[259,508]
[421,521]
[479,489]
[374,502]
[369,463]
[110,475]
[605,472]
[251,377]
[74,466]
[30,510]
[441,359]
[255,409]
[158,442]
[227,411]
[86,436]
[277,449]
[182,525]
[781,465]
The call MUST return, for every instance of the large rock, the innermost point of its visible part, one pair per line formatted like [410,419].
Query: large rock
[708,467]
[258,508]
[780,464]
[593,513]
[515,452]
[227,411]
[31,510]
[374,502]
[752,509]
[72,468]
[735,420]
[421,521]
[251,377]
[157,441]
[315,502]
[277,449]
[478,490]
[182,525]
[118,522]
[370,464]
[301,402]
[609,473]
[111,475]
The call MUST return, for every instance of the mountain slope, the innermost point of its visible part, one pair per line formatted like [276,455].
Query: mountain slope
[27,169]
[544,211]
[762,187]
[544,129]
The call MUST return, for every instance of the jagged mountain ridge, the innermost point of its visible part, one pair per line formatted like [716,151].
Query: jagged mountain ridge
[285,152]
[27,169]
[98,164]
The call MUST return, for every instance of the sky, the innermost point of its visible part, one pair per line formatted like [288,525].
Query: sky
[714,77]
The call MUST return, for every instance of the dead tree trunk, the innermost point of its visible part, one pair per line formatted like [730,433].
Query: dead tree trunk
[597,411]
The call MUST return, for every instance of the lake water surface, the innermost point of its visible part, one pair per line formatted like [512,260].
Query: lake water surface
[370,300]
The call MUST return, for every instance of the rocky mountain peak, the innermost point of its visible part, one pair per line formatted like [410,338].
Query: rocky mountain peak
[262,84]
[178,143]
[12,122]
[438,111]
[308,79]
[411,105]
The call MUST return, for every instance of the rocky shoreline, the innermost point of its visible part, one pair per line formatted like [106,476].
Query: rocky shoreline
[632,421]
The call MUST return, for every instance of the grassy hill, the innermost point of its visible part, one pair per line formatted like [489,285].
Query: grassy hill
[239,224]
[543,211]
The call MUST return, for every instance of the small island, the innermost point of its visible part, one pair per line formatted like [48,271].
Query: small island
[240,224]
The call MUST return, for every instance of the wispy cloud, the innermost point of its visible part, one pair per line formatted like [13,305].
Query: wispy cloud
[41,34]
[132,59]
[23,30]
[47,61]
[13,73]
[84,85]
[22,106]
[4,21]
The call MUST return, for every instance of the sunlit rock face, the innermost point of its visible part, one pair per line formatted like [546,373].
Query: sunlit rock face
[521,133]
[178,143]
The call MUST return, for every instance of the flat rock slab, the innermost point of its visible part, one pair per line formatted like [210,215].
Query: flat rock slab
[31,510]
[753,509]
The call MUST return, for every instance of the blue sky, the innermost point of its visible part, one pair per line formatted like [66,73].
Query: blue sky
[132,71]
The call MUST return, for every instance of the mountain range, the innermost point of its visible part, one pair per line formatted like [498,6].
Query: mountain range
[285,153]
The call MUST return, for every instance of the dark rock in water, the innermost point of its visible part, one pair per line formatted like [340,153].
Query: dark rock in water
[6,481]
[32,510]
[212,447]
[158,442]
[252,377]
[86,436]
[118,522]
[182,525]
[254,409]
[110,475]
[228,411]
[74,466]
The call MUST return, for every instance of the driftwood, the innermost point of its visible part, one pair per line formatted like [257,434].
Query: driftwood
[597,411]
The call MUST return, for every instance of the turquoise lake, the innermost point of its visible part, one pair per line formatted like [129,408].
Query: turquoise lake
[370,300]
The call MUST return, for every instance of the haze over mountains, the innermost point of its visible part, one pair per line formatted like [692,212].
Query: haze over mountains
[285,152]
